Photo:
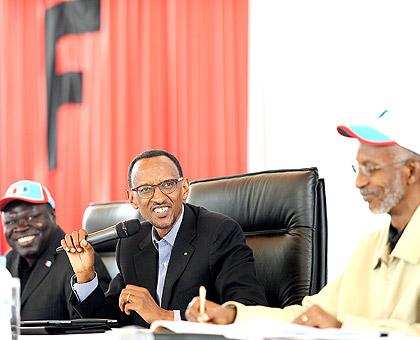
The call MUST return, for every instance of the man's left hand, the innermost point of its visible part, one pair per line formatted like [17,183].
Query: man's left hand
[138,299]
[315,316]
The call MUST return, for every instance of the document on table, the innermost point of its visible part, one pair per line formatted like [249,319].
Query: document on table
[262,329]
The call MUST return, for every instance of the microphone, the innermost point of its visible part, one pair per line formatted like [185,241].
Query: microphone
[119,230]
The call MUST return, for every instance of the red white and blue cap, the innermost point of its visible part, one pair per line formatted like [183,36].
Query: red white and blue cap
[389,128]
[27,191]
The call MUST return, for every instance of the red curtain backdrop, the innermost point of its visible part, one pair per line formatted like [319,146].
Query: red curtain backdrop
[158,74]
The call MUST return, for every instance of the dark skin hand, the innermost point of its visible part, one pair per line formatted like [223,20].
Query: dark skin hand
[315,316]
[132,298]
[214,313]
[138,299]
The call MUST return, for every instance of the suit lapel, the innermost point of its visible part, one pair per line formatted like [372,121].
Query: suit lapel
[14,264]
[42,266]
[181,254]
[145,264]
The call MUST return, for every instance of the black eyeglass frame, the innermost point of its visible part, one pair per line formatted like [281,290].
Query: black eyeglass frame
[161,187]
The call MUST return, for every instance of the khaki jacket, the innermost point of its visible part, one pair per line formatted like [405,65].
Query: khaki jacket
[378,290]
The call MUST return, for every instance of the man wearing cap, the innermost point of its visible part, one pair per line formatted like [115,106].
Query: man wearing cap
[380,288]
[28,214]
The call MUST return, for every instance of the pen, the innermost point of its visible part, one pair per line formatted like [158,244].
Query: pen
[202,295]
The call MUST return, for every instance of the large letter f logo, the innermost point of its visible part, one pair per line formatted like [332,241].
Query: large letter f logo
[66,18]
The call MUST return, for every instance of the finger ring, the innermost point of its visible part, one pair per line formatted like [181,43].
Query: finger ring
[304,318]
[128,298]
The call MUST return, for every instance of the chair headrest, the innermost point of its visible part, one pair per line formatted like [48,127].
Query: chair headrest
[263,201]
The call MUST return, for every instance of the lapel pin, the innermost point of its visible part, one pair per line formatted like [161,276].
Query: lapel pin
[185,254]
[47,263]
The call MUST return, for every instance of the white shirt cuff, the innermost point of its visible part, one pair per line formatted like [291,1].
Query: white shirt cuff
[177,315]
[83,290]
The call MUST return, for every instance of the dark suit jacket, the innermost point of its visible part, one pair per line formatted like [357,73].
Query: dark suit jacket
[46,292]
[209,251]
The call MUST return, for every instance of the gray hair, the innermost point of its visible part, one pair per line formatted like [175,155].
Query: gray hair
[400,154]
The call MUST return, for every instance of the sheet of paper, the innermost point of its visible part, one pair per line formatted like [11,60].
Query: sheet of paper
[264,328]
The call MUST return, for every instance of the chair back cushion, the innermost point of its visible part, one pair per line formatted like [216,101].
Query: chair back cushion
[283,216]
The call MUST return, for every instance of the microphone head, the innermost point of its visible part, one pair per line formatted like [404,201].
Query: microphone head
[127,228]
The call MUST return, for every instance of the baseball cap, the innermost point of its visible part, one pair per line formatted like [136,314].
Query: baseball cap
[391,127]
[27,191]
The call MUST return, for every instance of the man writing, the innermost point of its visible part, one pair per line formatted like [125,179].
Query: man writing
[380,288]
[28,213]
[179,248]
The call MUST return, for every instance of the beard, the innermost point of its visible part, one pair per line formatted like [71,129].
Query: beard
[164,226]
[392,197]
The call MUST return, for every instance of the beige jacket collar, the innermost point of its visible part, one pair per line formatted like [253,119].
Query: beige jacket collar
[407,248]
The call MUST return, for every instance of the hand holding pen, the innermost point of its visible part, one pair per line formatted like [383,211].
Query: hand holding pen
[202,310]
[202,296]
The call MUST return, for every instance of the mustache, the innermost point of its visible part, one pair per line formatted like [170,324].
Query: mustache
[366,191]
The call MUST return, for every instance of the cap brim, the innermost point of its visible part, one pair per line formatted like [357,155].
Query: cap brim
[365,134]
[7,200]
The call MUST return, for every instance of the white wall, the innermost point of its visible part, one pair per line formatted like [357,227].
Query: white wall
[315,64]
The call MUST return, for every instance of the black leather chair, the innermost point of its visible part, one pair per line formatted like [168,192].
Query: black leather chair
[283,216]
[98,216]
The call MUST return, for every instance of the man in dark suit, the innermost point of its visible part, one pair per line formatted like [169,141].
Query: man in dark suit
[179,248]
[28,213]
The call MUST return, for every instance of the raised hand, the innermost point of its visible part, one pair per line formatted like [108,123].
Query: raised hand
[80,254]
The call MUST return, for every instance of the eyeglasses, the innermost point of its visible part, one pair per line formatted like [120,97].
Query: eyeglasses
[369,170]
[166,187]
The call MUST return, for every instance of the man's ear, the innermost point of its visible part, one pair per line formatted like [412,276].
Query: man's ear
[414,167]
[185,189]
[130,197]
[52,218]
[52,213]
